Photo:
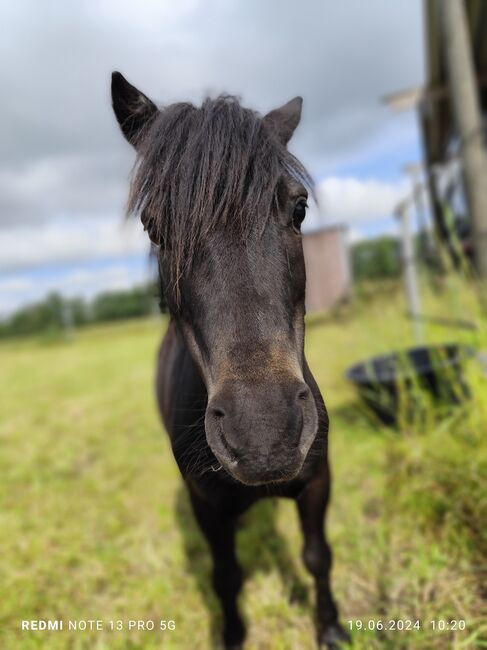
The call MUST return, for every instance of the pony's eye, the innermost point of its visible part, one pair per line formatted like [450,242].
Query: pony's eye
[299,214]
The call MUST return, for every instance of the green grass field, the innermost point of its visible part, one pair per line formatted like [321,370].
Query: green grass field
[95,523]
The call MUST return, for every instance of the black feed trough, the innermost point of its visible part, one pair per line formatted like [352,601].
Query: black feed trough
[398,383]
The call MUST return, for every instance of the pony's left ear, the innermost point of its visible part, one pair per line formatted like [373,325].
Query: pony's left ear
[285,119]
[132,108]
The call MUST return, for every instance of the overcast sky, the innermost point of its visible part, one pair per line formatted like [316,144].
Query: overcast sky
[64,164]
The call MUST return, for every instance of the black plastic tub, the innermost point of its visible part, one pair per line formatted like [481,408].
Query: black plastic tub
[397,383]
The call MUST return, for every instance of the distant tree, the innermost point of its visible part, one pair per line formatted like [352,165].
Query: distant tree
[115,305]
[41,316]
[375,259]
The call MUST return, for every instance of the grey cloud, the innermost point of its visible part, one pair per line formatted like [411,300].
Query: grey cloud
[56,58]
[66,184]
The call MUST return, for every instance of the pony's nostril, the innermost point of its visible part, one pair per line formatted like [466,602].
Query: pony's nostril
[217,412]
[304,394]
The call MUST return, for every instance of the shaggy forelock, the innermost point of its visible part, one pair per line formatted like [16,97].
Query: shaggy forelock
[202,169]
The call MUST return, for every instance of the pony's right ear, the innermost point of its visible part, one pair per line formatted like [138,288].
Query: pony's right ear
[132,108]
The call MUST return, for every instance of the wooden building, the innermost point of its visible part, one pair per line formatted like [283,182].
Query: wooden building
[328,270]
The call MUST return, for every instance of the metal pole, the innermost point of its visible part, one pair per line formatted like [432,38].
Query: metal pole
[466,108]
[67,319]
[409,268]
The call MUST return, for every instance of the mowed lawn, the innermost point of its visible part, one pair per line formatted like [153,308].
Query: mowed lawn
[95,523]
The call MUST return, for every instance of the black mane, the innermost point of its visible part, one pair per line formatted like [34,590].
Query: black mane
[200,169]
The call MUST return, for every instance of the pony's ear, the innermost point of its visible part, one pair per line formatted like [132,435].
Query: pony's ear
[132,108]
[285,119]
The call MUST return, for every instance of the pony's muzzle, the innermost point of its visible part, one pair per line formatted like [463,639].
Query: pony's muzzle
[262,434]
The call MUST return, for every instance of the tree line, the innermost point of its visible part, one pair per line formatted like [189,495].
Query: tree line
[57,313]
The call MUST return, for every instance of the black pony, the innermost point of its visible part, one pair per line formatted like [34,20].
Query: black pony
[223,200]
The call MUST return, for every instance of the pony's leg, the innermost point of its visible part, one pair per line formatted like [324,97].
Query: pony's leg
[219,531]
[317,557]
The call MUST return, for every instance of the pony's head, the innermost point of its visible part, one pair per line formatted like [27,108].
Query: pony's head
[223,199]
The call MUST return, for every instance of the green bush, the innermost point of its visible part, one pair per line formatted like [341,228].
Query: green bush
[376,259]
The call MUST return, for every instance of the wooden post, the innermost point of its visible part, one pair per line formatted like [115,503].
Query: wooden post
[466,108]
